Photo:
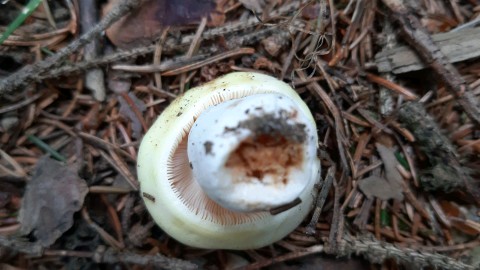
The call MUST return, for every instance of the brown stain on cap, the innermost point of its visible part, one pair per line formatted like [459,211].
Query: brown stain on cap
[275,148]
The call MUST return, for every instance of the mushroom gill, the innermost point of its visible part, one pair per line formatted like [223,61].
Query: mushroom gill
[184,185]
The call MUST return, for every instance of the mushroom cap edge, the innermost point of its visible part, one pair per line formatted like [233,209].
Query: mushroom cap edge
[169,212]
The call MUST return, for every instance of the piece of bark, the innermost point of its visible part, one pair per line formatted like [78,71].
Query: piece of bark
[420,40]
[457,46]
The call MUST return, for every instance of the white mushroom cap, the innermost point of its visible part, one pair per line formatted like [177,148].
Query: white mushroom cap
[253,153]
[176,200]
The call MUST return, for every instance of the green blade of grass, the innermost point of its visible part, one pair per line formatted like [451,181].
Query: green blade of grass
[46,148]
[384,218]
[26,11]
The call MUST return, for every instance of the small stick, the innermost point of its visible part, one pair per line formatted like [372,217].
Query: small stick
[213,59]
[94,78]
[378,251]
[27,73]
[419,39]
[322,196]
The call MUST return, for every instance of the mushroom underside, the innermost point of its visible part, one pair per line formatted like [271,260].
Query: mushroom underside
[183,183]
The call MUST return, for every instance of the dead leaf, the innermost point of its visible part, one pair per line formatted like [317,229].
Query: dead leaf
[142,26]
[390,163]
[379,187]
[386,188]
[127,111]
[51,198]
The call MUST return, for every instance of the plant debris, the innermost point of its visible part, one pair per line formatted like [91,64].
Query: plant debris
[386,188]
[145,24]
[399,134]
[379,187]
[51,197]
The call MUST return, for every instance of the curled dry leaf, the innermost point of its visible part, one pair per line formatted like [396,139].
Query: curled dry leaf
[142,26]
[51,198]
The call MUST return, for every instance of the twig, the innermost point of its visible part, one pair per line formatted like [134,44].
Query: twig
[322,196]
[28,73]
[445,170]
[377,252]
[237,26]
[103,234]
[419,39]
[20,104]
[94,78]
[339,130]
[338,219]
[101,255]
[292,255]
[469,24]
[457,46]
[392,86]
[210,60]
[157,56]
[157,260]
[107,146]
[117,164]
[193,49]
[43,69]
[238,41]
[83,65]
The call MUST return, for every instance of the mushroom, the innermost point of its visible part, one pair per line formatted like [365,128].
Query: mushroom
[231,164]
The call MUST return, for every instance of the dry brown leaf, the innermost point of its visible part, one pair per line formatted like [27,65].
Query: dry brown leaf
[128,113]
[51,198]
[142,26]
[390,163]
[379,187]
[386,188]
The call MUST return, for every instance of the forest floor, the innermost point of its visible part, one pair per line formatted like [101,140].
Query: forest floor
[394,88]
